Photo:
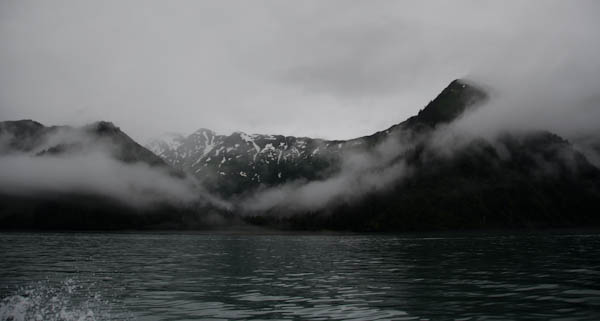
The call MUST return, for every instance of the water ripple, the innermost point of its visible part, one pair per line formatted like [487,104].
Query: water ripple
[319,277]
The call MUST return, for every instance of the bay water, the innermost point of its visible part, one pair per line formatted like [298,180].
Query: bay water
[227,276]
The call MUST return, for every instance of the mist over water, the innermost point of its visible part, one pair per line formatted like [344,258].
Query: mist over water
[147,276]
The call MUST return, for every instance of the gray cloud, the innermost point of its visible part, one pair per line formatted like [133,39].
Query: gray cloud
[289,68]
[137,185]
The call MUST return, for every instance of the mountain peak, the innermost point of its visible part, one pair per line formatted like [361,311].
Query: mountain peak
[103,128]
[23,122]
[26,125]
[453,101]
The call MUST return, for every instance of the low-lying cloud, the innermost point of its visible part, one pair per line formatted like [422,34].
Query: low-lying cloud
[76,161]
[544,106]
[342,69]
[362,172]
[97,174]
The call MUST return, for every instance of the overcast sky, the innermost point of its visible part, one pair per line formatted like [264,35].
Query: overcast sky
[331,69]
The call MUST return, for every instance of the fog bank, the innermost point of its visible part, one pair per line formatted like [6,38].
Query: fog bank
[93,174]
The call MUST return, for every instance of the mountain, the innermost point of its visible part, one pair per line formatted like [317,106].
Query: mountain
[28,136]
[90,177]
[518,180]
[238,163]
[535,180]
[589,145]
[416,175]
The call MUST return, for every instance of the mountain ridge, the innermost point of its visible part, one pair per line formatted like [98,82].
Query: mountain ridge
[93,177]
[239,162]
[398,179]
[54,140]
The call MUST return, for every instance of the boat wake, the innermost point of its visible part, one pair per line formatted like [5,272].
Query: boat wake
[66,301]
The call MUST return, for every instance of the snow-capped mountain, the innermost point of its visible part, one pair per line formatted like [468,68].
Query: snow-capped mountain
[236,163]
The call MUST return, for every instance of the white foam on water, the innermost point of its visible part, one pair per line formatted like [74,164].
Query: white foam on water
[67,301]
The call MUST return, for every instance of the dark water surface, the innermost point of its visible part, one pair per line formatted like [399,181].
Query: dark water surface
[175,276]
